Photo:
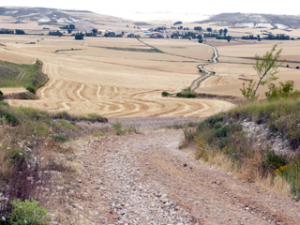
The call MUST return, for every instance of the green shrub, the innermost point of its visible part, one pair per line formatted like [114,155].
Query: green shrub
[212,120]
[218,125]
[96,118]
[10,118]
[224,131]
[34,114]
[295,94]
[60,138]
[91,117]
[291,174]
[18,157]
[68,125]
[40,129]
[3,103]
[31,89]
[223,142]
[118,127]
[273,162]
[28,213]
[248,92]
[63,115]
[293,136]
[284,90]
[186,95]
[189,95]
[165,94]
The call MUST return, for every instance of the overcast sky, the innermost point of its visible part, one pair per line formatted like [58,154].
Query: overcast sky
[115,7]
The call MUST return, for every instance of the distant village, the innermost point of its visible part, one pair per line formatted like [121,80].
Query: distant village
[157,32]
[177,31]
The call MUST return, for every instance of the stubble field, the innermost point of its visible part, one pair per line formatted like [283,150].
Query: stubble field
[110,82]
[236,62]
[124,77]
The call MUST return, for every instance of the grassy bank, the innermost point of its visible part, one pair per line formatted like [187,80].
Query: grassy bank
[221,141]
[15,75]
[30,147]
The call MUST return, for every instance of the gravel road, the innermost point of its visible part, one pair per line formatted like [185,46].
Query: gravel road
[144,179]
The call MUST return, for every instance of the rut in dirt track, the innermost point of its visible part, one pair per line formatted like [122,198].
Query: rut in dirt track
[145,179]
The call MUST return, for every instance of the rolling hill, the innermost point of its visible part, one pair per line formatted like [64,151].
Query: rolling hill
[41,15]
[249,20]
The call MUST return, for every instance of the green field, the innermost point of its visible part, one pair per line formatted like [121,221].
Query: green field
[15,75]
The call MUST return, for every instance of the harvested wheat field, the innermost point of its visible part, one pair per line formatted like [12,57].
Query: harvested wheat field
[112,82]
[10,56]
[187,48]
[236,60]
[124,77]
[7,91]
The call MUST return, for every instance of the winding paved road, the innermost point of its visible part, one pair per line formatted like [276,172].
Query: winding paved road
[197,82]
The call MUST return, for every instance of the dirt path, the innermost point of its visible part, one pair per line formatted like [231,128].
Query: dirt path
[145,179]
[196,83]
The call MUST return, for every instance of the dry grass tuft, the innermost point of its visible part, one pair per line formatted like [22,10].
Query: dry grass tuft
[276,184]
[222,161]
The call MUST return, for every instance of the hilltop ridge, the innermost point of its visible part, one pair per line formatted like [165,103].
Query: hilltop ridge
[39,14]
[251,20]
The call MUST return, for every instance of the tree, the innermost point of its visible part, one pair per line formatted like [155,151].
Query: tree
[200,40]
[18,31]
[209,29]
[225,31]
[95,32]
[6,31]
[69,31]
[1,96]
[31,89]
[71,26]
[267,67]
[55,33]
[220,32]
[229,38]
[79,36]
